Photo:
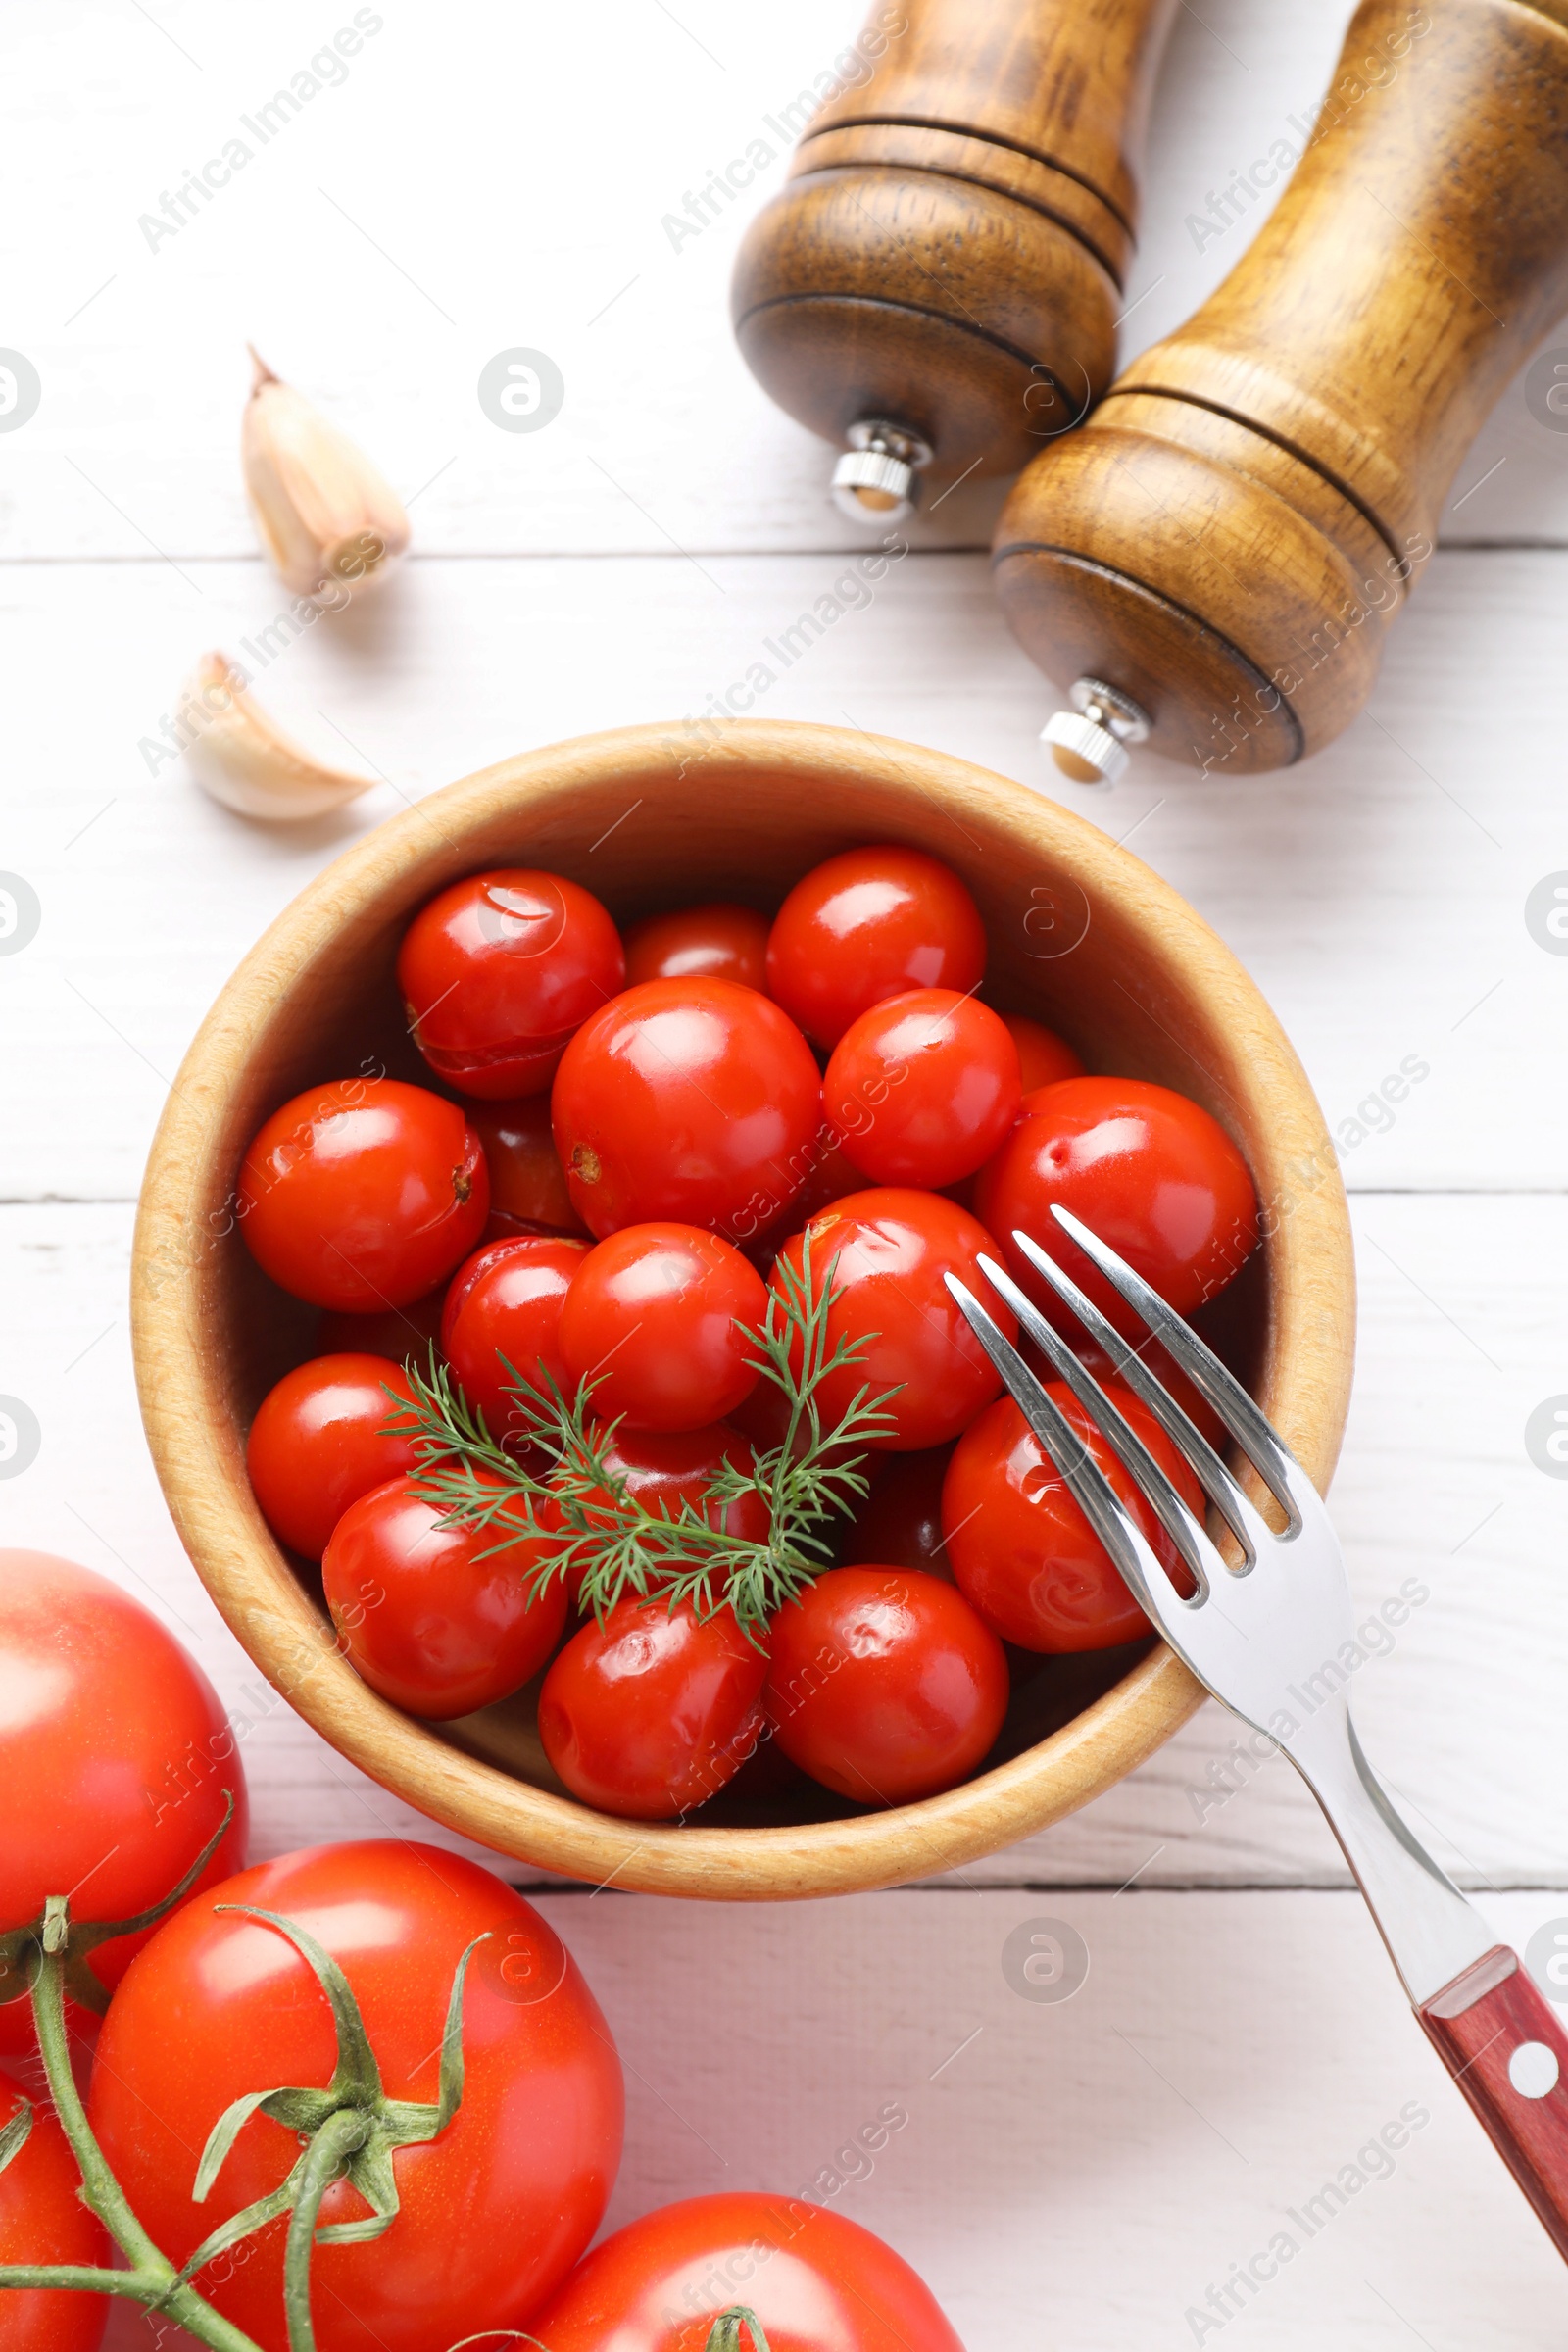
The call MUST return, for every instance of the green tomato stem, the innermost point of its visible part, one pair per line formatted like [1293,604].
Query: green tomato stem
[337,2138]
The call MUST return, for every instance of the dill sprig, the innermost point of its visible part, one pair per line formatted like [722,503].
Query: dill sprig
[592,1531]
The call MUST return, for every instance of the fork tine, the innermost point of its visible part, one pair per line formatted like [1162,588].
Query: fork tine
[1250,1529]
[1254,1433]
[1185,1530]
[1129,1548]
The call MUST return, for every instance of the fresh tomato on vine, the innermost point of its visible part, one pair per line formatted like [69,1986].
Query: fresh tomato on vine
[494,2205]
[43,2220]
[869,924]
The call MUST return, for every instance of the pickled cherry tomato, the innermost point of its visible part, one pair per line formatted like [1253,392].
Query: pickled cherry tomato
[1146,1170]
[527,1183]
[504,1310]
[497,972]
[868,925]
[319,1441]
[648,1714]
[364,1194]
[1043,1058]
[884,1685]
[922,1088]
[438,1619]
[692,1101]
[1021,1548]
[898,1525]
[663,1319]
[720,941]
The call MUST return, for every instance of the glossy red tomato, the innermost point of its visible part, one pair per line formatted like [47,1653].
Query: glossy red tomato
[1020,1547]
[689,1100]
[493,2213]
[900,1522]
[114,1757]
[504,1309]
[922,1088]
[722,941]
[893,1248]
[319,1441]
[869,924]
[884,1685]
[527,1183]
[362,1194]
[1146,1169]
[43,2219]
[1043,1058]
[436,1618]
[663,1469]
[499,970]
[817,2282]
[403,1333]
[664,1320]
[648,1714]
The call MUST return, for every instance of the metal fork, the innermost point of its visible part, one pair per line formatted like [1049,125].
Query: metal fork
[1269,1637]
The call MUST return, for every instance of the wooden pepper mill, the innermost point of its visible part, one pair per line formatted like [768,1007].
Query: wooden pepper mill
[939,282]
[1216,557]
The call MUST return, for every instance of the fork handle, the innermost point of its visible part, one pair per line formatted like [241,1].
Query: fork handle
[1501,2041]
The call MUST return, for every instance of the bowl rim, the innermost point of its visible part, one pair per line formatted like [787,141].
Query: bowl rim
[201,1466]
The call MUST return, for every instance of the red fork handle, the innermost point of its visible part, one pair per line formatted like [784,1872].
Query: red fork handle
[1500,2040]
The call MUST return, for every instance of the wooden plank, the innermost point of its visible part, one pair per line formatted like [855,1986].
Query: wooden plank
[1464,1310]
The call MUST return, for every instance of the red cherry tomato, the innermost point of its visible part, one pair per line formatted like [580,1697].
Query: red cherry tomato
[436,1618]
[1020,1547]
[403,1333]
[663,1469]
[499,970]
[884,1685]
[922,1088]
[689,1100]
[1146,1170]
[721,942]
[664,1320]
[900,1522]
[816,2281]
[503,1308]
[648,1714]
[43,2219]
[893,1248]
[866,925]
[319,1441]
[115,1758]
[527,1183]
[362,1194]
[1043,1058]
[493,2214]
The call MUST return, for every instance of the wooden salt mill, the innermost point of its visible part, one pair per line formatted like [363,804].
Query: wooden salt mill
[939,282]
[1216,557]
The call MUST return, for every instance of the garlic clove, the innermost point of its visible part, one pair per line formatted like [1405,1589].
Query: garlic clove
[325,514]
[242,759]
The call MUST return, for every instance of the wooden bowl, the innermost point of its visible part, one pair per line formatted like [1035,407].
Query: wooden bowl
[1081,933]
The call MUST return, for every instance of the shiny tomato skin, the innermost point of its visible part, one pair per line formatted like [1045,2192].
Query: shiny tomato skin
[717,942]
[900,1522]
[1043,1058]
[405,1334]
[1146,1169]
[922,1088]
[688,1100]
[43,2219]
[499,970]
[1020,1547]
[435,1618]
[505,1303]
[663,1319]
[364,1194]
[319,1442]
[884,1685]
[527,1183]
[893,1247]
[868,925]
[817,2282]
[648,1714]
[663,1469]
[115,1758]
[493,2213]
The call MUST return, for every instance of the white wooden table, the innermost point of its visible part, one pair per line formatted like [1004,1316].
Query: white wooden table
[1073,2177]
